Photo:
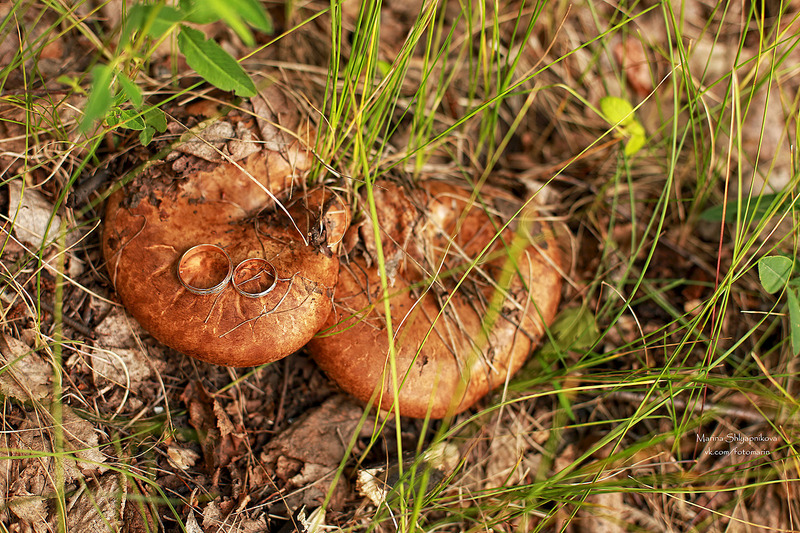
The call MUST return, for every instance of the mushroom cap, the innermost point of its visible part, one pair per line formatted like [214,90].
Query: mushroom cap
[152,222]
[455,340]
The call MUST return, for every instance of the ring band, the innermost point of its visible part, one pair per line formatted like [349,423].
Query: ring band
[263,265]
[205,248]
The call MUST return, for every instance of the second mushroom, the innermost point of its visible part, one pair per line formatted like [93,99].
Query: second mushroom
[470,284]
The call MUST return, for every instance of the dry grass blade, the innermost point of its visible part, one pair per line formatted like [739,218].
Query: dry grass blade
[663,397]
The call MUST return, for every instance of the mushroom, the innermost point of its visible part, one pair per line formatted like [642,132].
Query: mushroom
[454,339]
[210,264]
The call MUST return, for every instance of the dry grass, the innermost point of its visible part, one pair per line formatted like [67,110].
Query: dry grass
[668,397]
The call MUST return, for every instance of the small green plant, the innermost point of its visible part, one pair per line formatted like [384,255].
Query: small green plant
[756,209]
[115,96]
[146,121]
[620,114]
[776,272]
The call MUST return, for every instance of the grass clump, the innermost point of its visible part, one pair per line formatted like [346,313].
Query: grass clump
[666,394]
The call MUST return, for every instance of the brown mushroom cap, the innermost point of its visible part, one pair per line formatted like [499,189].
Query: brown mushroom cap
[453,343]
[152,222]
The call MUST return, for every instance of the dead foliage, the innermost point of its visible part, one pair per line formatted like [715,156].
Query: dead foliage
[645,427]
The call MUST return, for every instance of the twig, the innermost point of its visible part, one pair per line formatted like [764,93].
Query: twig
[678,403]
[71,322]
[82,191]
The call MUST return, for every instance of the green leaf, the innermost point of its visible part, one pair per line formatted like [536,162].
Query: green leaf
[756,208]
[213,63]
[794,320]
[99,97]
[198,12]
[133,22]
[634,144]
[126,118]
[130,89]
[251,11]
[619,112]
[156,118]
[239,13]
[146,135]
[160,20]
[773,272]
[634,128]
[154,20]
[616,110]
[72,82]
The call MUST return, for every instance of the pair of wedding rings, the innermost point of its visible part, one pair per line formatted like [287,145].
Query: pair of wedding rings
[248,272]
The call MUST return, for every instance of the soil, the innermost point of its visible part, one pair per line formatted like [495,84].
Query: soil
[106,428]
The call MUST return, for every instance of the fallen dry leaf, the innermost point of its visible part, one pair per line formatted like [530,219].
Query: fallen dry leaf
[25,375]
[507,461]
[633,58]
[118,330]
[31,510]
[244,144]
[208,140]
[99,508]
[117,358]
[191,524]
[182,458]
[212,515]
[307,452]
[274,120]
[81,437]
[31,211]
[121,366]
[218,448]
[378,483]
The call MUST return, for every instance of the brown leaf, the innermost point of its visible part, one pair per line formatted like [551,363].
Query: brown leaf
[81,437]
[244,144]
[25,376]
[274,114]
[219,444]
[208,140]
[138,517]
[118,330]
[201,417]
[311,448]
[604,513]
[31,510]
[191,524]
[31,213]
[224,423]
[182,458]
[117,357]
[100,507]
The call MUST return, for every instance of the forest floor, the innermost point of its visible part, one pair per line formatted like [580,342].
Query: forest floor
[658,137]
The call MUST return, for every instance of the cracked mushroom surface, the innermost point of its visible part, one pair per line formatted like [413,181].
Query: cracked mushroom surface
[454,339]
[288,257]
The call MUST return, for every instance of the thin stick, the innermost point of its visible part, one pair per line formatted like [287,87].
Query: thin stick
[678,403]
[71,322]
